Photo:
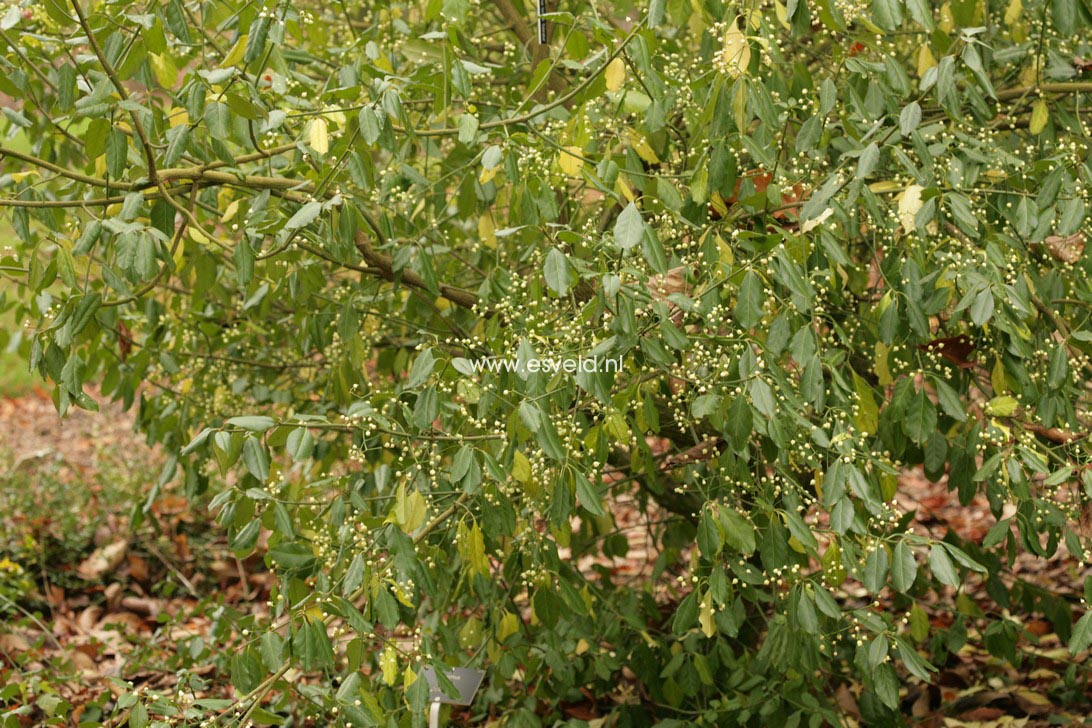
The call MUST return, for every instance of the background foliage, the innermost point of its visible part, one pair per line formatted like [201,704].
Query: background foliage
[829,241]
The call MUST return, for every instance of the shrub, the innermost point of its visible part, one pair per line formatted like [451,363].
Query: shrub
[827,242]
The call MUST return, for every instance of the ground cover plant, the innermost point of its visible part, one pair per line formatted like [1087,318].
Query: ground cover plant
[336,258]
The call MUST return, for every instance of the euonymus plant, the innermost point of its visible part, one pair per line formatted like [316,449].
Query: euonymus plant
[828,242]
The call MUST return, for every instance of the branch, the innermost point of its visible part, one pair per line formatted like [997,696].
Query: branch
[382,263]
[528,37]
[149,154]
[75,176]
[521,118]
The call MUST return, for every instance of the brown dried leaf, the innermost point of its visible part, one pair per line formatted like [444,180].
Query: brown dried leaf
[103,560]
[1067,248]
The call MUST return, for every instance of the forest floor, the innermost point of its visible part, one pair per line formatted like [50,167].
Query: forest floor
[94,596]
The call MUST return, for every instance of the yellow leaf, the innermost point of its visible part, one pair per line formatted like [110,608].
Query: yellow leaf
[196,235]
[166,73]
[889,485]
[569,160]
[471,548]
[410,509]
[735,54]
[719,205]
[487,230]
[623,189]
[739,106]
[1040,114]
[997,377]
[1030,75]
[409,677]
[833,570]
[177,117]
[402,595]
[1002,406]
[883,373]
[1013,12]
[947,20]
[615,74]
[909,205]
[640,145]
[926,60]
[20,176]
[388,663]
[488,174]
[509,625]
[582,646]
[236,53]
[705,616]
[470,635]
[782,14]
[521,467]
[868,413]
[885,186]
[317,135]
[231,211]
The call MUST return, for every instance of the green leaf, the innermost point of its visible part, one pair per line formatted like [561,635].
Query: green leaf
[300,444]
[982,307]
[886,685]
[998,532]
[921,12]
[304,216]
[255,458]
[292,556]
[1064,13]
[748,308]
[943,568]
[913,661]
[686,614]
[426,408]
[370,128]
[875,571]
[588,495]
[887,13]
[256,37]
[909,118]
[950,401]
[556,270]
[868,161]
[656,13]
[738,531]
[1081,639]
[254,423]
[629,229]
[1058,370]
[117,153]
[421,370]
[710,540]
[904,568]
[218,120]
[921,418]
[547,607]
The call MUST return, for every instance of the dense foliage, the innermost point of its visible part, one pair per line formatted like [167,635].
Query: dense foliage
[828,241]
